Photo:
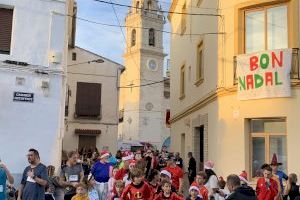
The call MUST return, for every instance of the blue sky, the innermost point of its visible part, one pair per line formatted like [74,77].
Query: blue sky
[106,41]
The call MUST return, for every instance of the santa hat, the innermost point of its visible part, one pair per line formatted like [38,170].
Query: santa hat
[104,154]
[165,172]
[209,165]
[274,161]
[244,177]
[194,188]
[127,156]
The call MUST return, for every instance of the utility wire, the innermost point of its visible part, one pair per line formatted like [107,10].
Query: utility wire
[155,10]
[136,86]
[123,34]
[145,28]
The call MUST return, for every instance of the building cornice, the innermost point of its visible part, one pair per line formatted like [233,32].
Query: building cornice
[145,51]
[211,97]
[208,98]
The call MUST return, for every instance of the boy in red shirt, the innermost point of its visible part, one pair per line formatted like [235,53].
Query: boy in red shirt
[199,182]
[176,174]
[138,189]
[167,193]
[266,187]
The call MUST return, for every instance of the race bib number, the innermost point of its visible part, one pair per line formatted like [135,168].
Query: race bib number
[177,163]
[1,188]
[29,179]
[73,178]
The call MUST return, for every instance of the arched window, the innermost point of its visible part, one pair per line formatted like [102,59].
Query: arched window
[133,37]
[137,6]
[149,5]
[151,37]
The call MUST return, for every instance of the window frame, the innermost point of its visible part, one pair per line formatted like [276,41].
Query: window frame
[2,52]
[151,41]
[200,69]
[265,8]
[267,137]
[133,38]
[182,82]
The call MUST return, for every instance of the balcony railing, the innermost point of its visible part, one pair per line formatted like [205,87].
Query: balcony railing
[295,68]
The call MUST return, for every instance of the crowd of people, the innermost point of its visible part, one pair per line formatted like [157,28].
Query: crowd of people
[149,175]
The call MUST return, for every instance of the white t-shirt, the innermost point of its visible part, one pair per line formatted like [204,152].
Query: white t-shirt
[212,183]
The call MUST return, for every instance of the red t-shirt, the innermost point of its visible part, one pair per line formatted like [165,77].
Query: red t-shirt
[266,191]
[203,190]
[134,192]
[173,196]
[176,173]
[121,173]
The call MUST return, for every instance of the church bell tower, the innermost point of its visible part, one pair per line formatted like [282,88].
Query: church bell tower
[142,87]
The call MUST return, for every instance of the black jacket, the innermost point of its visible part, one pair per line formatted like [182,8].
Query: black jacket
[243,193]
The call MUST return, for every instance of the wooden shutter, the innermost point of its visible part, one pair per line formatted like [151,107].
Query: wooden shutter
[88,100]
[6,18]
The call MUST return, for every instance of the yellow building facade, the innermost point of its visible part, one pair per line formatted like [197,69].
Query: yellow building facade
[206,116]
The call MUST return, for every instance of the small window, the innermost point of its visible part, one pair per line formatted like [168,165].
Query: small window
[183,19]
[182,82]
[199,66]
[6,19]
[137,6]
[74,56]
[151,37]
[133,37]
[149,5]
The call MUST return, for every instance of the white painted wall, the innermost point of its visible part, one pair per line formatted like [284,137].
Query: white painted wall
[38,29]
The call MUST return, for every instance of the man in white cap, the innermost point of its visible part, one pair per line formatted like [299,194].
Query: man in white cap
[101,171]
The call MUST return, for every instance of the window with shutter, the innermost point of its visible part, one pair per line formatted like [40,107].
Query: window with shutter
[88,100]
[6,18]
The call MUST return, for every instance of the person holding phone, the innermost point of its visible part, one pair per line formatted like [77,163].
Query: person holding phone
[266,187]
[35,178]
[4,176]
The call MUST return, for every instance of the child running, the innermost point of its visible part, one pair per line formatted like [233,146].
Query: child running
[91,189]
[167,192]
[118,190]
[194,193]
[138,189]
[200,180]
[81,193]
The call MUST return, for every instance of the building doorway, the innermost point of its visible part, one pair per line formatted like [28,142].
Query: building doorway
[267,137]
[199,147]
[87,142]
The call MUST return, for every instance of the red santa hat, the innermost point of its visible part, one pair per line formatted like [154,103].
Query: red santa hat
[127,156]
[104,154]
[244,177]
